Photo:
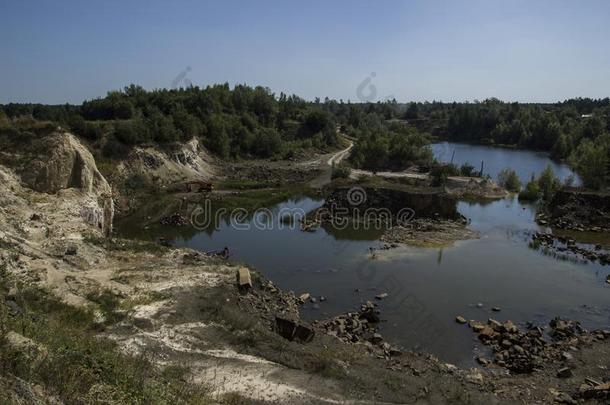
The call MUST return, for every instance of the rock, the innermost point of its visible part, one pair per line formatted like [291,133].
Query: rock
[285,327]
[487,333]
[313,300]
[497,326]
[479,305]
[244,280]
[370,315]
[482,360]
[566,356]
[13,308]
[66,163]
[510,327]
[304,333]
[304,297]
[496,309]
[293,330]
[143,323]
[477,327]
[322,298]
[475,377]
[381,296]
[565,372]
[394,352]
[460,319]
[450,367]
[377,338]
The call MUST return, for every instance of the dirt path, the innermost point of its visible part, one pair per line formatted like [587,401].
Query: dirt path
[326,162]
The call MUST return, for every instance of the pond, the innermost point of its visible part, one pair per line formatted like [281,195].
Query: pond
[525,163]
[427,287]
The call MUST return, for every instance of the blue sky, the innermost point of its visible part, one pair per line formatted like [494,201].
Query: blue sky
[68,51]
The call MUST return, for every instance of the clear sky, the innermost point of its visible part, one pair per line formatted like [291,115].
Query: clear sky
[68,51]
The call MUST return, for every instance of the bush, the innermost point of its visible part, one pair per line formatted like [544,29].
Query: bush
[440,172]
[548,183]
[531,192]
[508,179]
[468,170]
[341,171]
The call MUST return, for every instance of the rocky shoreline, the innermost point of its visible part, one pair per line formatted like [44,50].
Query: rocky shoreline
[568,246]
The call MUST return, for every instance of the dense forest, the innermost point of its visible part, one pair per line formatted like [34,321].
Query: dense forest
[252,122]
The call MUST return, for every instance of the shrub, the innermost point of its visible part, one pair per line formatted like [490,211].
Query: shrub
[468,170]
[440,172]
[531,192]
[548,183]
[508,179]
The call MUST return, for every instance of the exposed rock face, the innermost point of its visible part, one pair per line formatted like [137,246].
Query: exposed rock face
[65,163]
[60,161]
[176,164]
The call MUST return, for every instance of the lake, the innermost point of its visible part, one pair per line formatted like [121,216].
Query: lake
[427,287]
[525,163]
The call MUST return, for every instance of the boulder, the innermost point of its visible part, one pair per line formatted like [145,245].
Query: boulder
[294,330]
[460,319]
[65,163]
[244,280]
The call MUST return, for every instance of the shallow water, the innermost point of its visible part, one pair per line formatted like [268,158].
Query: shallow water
[427,287]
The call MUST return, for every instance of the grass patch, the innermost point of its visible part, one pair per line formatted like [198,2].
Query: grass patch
[109,304]
[127,245]
[79,367]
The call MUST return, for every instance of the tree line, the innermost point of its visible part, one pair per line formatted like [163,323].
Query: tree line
[252,122]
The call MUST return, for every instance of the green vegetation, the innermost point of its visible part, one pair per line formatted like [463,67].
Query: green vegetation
[576,130]
[68,360]
[242,122]
[544,187]
[341,171]
[392,146]
[508,179]
[440,172]
[245,122]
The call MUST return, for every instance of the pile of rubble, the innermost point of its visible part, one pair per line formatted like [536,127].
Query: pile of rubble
[360,327]
[562,244]
[175,219]
[523,351]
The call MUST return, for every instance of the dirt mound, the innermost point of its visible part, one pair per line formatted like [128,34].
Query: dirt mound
[161,168]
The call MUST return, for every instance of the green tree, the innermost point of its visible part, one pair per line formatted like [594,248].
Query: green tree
[508,179]
[591,161]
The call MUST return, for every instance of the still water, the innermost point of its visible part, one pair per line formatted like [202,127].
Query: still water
[427,287]
[525,163]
